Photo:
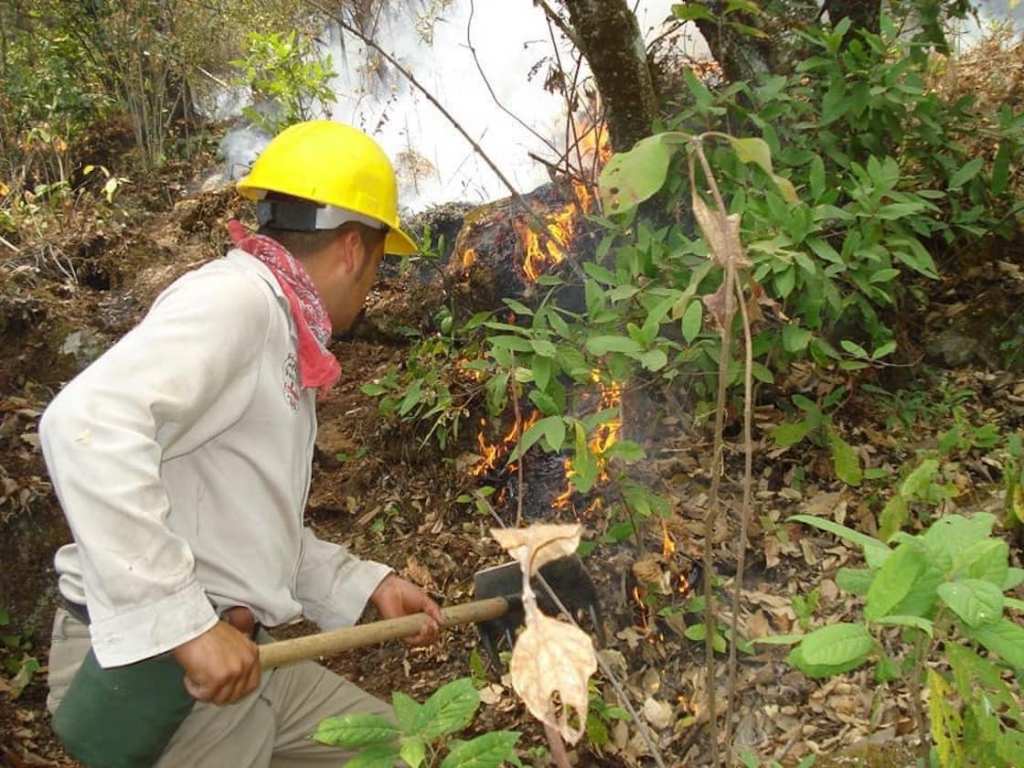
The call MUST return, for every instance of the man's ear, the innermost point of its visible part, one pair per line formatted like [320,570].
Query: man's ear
[350,251]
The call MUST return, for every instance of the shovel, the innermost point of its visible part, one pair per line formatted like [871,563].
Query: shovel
[497,611]
[123,717]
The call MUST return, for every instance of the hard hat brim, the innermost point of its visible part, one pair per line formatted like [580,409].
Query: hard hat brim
[399,244]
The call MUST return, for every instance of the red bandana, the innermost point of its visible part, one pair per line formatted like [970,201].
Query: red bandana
[317,367]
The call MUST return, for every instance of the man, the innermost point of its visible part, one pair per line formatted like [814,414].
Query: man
[182,460]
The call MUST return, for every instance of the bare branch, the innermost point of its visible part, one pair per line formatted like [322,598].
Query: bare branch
[559,22]
[480,69]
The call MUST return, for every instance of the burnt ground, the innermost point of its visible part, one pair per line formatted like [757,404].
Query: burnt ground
[393,498]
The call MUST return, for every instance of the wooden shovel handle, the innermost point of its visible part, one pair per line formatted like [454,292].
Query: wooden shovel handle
[347,638]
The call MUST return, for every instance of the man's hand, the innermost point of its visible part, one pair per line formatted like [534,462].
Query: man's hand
[395,597]
[221,665]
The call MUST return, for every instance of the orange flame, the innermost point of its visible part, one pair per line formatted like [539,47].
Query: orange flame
[468,258]
[492,453]
[594,149]
[668,545]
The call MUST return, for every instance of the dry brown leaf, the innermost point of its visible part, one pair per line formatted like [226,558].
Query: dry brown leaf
[539,544]
[553,657]
[658,713]
[418,573]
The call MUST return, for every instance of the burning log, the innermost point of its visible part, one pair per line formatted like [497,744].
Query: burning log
[500,253]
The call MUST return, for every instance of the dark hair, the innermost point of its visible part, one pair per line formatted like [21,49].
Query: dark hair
[306,244]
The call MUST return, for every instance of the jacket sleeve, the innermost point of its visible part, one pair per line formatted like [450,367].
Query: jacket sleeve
[181,377]
[333,585]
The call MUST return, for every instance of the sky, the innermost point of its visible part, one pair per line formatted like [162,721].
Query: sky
[510,37]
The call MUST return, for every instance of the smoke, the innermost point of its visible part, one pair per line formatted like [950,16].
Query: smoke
[434,162]
[240,148]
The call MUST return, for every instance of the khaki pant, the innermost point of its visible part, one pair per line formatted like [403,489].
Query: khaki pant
[270,727]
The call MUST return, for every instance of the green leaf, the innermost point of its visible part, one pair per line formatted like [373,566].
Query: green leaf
[854,349]
[551,427]
[451,708]
[693,319]
[753,150]
[894,515]
[487,751]
[976,602]
[969,170]
[987,560]
[584,465]
[541,367]
[543,347]
[795,338]
[894,580]
[654,359]
[845,459]
[786,189]
[518,307]
[627,450]
[697,633]
[692,12]
[855,580]
[1014,578]
[917,482]
[602,345]
[407,709]
[817,178]
[377,756]
[631,177]
[790,433]
[1003,637]
[778,640]
[356,731]
[875,551]
[832,649]
[915,622]
[412,397]
[514,343]
[413,751]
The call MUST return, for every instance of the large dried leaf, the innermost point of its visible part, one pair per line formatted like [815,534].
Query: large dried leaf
[537,545]
[552,657]
[721,232]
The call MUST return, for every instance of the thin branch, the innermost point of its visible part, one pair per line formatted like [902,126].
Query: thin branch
[9,245]
[490,90]
[558,752]
[369,42]
[536,223]
[519,431]
[559,22]
[745,515]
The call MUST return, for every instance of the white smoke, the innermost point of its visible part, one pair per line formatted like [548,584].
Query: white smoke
[436,164]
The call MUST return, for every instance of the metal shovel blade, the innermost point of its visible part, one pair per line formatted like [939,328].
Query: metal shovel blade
[567,578]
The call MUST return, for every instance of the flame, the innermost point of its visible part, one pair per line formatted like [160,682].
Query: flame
[546,249]
[468,258]
[668,545]
[492,453]
[607,434]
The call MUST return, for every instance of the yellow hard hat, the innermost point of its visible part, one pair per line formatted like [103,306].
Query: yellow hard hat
[335,165]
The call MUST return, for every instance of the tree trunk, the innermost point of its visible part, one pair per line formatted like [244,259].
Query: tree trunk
[609,38]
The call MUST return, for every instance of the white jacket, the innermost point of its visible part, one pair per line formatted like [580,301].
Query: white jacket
[182,459]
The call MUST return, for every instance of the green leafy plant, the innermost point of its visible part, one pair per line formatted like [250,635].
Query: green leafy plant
[17,661]
[944,589]
[815,423]
[422,733]
[289,78]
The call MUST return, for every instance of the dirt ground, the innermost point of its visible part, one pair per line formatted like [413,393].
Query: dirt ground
[392,498]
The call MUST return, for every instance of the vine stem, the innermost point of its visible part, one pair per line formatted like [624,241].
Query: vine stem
[748,484]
